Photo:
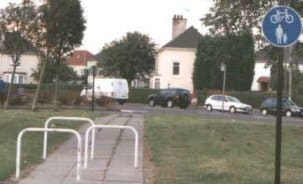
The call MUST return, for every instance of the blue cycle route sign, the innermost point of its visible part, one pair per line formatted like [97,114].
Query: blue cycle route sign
[282,26]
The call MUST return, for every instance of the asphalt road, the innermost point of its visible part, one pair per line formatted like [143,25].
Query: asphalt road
[201,112]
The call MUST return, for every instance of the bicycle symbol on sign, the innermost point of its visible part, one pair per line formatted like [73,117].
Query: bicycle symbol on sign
[280,16]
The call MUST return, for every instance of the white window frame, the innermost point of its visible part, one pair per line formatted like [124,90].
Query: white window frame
[17,79]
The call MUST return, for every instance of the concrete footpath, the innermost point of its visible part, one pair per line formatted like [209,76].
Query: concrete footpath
[113,162]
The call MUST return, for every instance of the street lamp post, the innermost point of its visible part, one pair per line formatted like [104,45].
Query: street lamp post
[93,88]
[290,82]
[288,71]
[223,69]
[86,80]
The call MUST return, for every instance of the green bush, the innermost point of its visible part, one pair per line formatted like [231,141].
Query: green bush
[201,96]
[252,98]
[249,97]
[69,97]
[19,100]
[140,95]
[68,94]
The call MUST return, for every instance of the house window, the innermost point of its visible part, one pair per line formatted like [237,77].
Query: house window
[7,78]
[21,79]
[157,83]
[18,79]
[15,79]
[176,68]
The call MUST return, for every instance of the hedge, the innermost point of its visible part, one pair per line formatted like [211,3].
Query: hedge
[70,95]
[249,97]
[140,95]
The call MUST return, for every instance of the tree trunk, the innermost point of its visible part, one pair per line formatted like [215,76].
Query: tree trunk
[56,85]
[10,87]
[56,93]
[36,97]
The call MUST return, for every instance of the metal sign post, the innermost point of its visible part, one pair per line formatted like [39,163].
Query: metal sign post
[282,27]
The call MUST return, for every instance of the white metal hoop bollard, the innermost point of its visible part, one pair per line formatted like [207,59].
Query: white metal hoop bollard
[114,127]
[19,140]
[49,120]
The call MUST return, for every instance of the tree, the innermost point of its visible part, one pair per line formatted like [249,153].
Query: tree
[206,65]
[63,30]
[297,76]
[16,21]
[131,57]
[38,37]
[65,72]
[236,51]
[233,16]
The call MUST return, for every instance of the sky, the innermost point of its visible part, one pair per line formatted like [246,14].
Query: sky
[109,20]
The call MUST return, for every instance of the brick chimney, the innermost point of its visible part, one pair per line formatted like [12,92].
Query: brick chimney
[179,25]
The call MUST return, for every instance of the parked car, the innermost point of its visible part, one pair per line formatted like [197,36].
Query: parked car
[109,87]
[170,97]
[289,108]
[226,103]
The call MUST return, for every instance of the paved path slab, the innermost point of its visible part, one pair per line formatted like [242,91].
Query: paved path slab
[113,162]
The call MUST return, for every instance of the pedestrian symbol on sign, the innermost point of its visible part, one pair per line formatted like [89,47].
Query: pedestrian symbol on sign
[282,26]
[280,35]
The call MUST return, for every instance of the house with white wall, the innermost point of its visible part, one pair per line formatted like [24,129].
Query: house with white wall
[81,60]
[28,63]
[175,60]
[261,81]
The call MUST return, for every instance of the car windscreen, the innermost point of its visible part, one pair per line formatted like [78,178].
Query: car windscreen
[233,99]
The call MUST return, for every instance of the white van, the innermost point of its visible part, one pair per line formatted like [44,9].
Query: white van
[109,87]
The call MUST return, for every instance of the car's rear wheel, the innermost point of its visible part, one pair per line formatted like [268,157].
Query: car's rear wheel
[170,104]
[232,109]
[264,112]
[152,102]
[288,113]
[209,108]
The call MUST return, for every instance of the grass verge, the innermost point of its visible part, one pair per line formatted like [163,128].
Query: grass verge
[13,121]
[196,150]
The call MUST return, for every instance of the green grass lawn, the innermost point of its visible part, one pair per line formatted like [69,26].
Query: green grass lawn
[190,150]
[12,121]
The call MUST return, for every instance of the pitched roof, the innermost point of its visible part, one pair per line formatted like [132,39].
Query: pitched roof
[188,39]
[29,47]
[80,58]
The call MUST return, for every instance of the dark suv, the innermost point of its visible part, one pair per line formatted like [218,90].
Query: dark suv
[170,97]
[289,108]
